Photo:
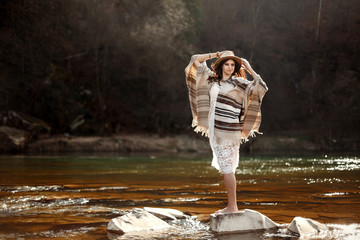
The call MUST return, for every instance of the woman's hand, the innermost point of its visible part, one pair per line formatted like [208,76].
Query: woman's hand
[248,67]
[246,64]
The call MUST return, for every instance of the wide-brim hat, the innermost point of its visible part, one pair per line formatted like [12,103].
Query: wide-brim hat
[226,56]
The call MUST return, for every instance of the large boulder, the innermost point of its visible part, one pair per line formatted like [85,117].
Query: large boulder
[36,127]
[246,220]
[12,139]
[305,226]
[135,221]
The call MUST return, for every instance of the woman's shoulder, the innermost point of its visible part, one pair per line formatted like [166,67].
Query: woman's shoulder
[242,80]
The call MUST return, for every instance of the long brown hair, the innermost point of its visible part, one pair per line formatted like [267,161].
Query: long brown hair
[216,77]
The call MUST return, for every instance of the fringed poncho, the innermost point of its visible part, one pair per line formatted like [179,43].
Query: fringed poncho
[237,111]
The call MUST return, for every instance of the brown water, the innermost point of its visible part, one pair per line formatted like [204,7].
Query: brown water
[74,197]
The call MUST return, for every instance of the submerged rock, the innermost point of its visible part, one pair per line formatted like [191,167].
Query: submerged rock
[165,213]
[135,221]
[305,226]
[247,220]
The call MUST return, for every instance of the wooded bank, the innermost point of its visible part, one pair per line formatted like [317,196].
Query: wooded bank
[117,66]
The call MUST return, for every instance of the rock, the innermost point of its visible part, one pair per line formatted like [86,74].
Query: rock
[135,221]
[12,139]
[247,220]
[305,226]
[202,218]
[36,127]
[165,213]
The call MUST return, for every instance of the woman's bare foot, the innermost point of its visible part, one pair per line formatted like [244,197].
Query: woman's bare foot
[219,211]
[227,210]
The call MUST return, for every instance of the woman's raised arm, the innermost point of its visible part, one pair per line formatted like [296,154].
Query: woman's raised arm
[203,57]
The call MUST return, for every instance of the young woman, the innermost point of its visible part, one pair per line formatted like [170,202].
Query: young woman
[226,108]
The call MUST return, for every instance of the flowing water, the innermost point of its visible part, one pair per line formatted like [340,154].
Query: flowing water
[74,197]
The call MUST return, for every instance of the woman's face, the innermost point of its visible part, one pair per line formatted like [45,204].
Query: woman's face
[228,67]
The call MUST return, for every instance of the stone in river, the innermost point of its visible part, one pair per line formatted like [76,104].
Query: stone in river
[246,220]
[135,221]
[305,226]
[165,213]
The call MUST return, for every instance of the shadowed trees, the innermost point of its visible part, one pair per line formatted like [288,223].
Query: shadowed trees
[115,66]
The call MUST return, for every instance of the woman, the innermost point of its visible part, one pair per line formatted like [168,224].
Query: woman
[226,108]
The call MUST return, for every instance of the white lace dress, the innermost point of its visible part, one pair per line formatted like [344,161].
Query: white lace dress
[225,157]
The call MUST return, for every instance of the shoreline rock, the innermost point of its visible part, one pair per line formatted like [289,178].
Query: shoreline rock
[18,129]
[13,140]
[36,127]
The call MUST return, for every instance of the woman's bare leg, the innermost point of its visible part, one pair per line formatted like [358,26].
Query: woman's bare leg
[230,186]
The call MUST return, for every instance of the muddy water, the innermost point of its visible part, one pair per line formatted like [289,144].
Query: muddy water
[74,197]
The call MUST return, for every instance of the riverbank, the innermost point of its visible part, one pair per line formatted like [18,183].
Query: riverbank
[20,133]
[168,144]
[120,143]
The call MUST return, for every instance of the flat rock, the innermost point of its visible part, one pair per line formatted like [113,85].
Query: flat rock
[165,213]
[243,221]
[305,226]
[135,221]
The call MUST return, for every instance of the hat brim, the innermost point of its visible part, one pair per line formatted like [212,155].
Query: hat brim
[235,58]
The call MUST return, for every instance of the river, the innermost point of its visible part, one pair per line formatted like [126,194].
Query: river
[75,196]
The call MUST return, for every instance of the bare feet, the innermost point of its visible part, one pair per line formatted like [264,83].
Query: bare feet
[219,211]
[226,210]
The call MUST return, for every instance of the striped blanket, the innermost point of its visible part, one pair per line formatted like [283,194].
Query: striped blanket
[237,110]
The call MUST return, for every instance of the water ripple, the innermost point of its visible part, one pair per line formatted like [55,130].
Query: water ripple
[29,203]
[32,188]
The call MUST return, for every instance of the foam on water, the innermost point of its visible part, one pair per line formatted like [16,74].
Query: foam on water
[32,203]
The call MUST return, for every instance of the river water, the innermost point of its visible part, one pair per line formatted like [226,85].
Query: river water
[74,197]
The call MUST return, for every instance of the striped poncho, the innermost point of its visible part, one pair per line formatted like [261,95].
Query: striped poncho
[237,110]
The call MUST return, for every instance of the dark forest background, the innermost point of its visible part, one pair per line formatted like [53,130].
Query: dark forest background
[104,67]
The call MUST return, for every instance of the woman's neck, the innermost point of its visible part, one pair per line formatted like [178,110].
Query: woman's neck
[225,77]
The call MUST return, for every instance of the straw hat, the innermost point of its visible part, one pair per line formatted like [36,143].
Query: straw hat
[225,56]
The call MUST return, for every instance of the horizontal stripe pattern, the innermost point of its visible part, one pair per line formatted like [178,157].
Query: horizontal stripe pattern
[222,112]
[238,84]
[231,127]
[229,101]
